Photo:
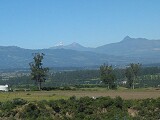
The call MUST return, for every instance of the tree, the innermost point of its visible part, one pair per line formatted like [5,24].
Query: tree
[131,73]
[38,72]
[107,76]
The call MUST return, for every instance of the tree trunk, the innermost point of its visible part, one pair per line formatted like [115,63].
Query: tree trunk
[133,82]
[40,84]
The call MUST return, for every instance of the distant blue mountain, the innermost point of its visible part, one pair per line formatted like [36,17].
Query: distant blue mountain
[75,55]
[15,57]
[132,47]
[73,46]
[137,49]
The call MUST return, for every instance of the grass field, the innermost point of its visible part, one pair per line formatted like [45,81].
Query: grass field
[65,94]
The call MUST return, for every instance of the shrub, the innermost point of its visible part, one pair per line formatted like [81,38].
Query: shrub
[30,111]
[19,101]
[7,106]
[104,102]
[66,88]
[41,104]
[54,106]
[72,98]
[118,102]
[158,103]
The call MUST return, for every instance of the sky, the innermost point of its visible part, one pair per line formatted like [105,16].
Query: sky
[38,24]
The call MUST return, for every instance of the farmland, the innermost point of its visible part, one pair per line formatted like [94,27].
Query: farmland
[142,104]
[91,92]
[81,95]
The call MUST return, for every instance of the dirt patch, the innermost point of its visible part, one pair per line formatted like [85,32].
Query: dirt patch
[132,112]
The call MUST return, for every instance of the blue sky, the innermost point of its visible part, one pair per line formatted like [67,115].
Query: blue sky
[44,23]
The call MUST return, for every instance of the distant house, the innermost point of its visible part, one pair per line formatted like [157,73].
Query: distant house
[124,82]
[3,87]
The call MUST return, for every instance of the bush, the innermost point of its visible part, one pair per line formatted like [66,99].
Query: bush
[157,104]
[54,106]
[118,102]
[7,106]
[50,88]
[19,101]
[104,102]
[30,111]
[41,104]
[72,98]
[128,103]
[84,108]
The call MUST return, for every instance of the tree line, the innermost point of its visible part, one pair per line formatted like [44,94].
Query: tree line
[106,75]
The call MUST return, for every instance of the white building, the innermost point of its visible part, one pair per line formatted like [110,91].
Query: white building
[3,87]
[124,82]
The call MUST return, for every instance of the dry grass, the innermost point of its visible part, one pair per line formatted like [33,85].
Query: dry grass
[125,94]
[31,95]
[59,94]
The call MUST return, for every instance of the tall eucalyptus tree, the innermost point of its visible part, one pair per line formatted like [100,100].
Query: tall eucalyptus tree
[38,72]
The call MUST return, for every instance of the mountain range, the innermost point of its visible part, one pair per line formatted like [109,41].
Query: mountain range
[73,46]
[124,52]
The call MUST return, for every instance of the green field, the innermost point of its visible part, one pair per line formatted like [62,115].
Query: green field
[92,92]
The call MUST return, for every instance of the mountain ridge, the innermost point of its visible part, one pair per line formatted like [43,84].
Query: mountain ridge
[72,46]
[75,55]
[127,39]
[128,46]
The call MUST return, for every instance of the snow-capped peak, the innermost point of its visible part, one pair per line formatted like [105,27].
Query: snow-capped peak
[59,44]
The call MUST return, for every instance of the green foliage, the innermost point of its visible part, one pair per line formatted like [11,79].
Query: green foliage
[135,68]
[54,106]
[131,74]
[19,101]
[77,77]
[30,111]
[7,106]
[107,76]
[158,103]
[118,102]
[148,108]
[85,108]
[38,73]
[147,77]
